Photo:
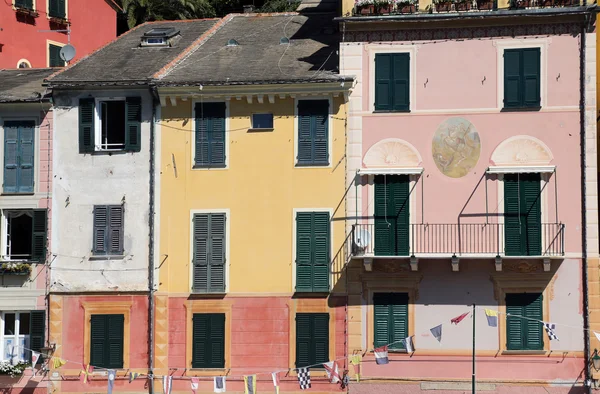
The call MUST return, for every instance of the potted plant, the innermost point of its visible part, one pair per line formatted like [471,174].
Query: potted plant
[520,3]
[406,6]
[16,268]
[442,5]
[384,6]
[364,7]
[463,5]
[12,371]
[485,5]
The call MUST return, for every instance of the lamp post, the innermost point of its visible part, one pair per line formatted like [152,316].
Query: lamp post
[596,360]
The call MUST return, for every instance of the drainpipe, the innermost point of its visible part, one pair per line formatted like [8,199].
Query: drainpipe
[155,102]
[584,273]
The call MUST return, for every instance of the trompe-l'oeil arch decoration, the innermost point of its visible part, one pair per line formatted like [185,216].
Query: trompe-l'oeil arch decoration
[392,153]
[455,147]
[521,150]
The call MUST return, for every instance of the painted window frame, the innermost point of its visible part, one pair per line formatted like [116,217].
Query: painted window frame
[16,337]
[34,5]
[24,61]
[330,126]
[193,135]
[48,10]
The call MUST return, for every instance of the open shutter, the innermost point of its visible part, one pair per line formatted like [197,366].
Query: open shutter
[100,230]
[98,340]
[320,334]
[320,129]
[200,341]
[216,282]
[384,241]
[398,319]
[304,247]
[37,330]
[115,230]
[401,86]
[86,125]
[11,158]
[200,261]
[114,344]
[513,95]
[305,133]
[531,214]
[512,226]
[383,82]
[40,229]
[217,340]
[515,330]
[26,159]
[398,195]
[304,349]
[320,252]
[133,119]
[531,77]
[382,319]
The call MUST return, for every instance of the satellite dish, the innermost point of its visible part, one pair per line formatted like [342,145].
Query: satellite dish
[67,53]
[362,239]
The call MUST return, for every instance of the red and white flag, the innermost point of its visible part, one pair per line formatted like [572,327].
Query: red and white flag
[332,371]
[167,384]
[275,377]
[194,385]
[86,373]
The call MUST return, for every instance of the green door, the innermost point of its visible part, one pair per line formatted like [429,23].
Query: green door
[522,215]
[392,215]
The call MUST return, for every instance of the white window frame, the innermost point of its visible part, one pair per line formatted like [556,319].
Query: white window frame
[329,126]
[261,128]
[4,242]
[98,145]
[193,134]
[48,9]
[15,337]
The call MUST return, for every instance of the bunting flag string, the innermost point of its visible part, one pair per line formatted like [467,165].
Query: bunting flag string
[458,319]
[250,384]
[133,376]
[408,343]
[492,317]
[437,333]
[550,327]
[219,384]
[381,355]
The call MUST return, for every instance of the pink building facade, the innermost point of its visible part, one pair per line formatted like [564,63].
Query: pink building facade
[464,151]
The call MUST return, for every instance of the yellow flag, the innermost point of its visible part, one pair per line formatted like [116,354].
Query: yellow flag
[58,362]
[355,360]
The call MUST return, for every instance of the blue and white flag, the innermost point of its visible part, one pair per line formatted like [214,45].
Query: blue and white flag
[381,355]
[437,332]
[408,343]
[111,380]
[220,384]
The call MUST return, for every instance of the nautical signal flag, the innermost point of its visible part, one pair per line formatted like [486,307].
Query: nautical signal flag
[133,376]
[275,377]
[492,317]
[85,373]
[408,343]
[219,384]
[355,360]
[437,332]
[194,385]
[458,319]
[167,384]
[111,380]
[333,372]
[381,355]
[304,378]
[250,384]
[58,362]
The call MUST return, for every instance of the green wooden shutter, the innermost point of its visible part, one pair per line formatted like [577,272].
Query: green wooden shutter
[11,158]
[27,4]
[57,9]
[512,224]
[304,248]
[392,215]
[535,330]
[37,330]
[320,334]
[86,125]
[210,134]
[133,119]
[524,334]
[115,229]
[391,319]
[216,277]
[98,340]
[383,82]
[100,229]
[401,85]
[381,314]
[304,352]
[312,251]
[200,260]
[513,95]
[114,342]
[304,155]
[312,339]
[313,132]
[208,347]
[531,214]
[26,158]
[515,332]
[55,59]
[217,340]
[39,235]
[531,77]
[19,156]
[399,195]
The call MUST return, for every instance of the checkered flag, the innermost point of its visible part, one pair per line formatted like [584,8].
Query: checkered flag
[550,330]
[304,378]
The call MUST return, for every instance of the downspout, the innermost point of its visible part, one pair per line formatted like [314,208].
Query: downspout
[584,271]
[155,102]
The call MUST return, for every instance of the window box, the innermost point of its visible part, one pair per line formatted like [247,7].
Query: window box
[406,8]
[520,4]
[365,9]
[10,374]
[485,5]
[27,12]
[443,6]
[462,6]
[384,8]
[15,268]
[60,21]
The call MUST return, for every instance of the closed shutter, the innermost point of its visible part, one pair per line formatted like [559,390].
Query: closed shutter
[399,195]
[512,78]
[312,339]
[100,229]
[54,53]
[114,343]
[98,340]
[304,247]
[512,224]
[27,4]
[312,251]
[200,260]
[19,156]
[86,125]
[11,158]
[57,9]
[522,213]
[313,132]
[37,330]
[320,338]
[39,235]
[524,334]
[391,319]
[210,134]
[304,155]
[515,334]
[381,318]
[26,159]
[217,253]
[133,119]
[401,67]
[115,230]
[208,347]
[392,215]
[62,8]
[209,253]
[321,251]
[383,82]
[531,77]
[304,351]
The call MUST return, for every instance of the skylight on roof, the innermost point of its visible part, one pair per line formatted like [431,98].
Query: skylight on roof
[232,43]
[159,36]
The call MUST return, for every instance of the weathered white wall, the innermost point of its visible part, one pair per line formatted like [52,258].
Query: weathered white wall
[84,180]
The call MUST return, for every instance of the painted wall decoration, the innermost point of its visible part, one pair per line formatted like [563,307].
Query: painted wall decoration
[456,147]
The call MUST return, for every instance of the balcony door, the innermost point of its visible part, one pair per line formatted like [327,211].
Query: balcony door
[522,215]
[392,215]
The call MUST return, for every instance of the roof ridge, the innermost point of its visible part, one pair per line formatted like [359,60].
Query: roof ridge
[163,72]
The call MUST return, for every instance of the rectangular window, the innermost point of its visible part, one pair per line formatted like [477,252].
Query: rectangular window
[106,342]
[114,125]
[54,56]
[22,331]
[391,319]
[208,348]
[209,245]
[392,215]
[262,121]
[108,229]
[57,9]
[313,133]
[392,82]
[210,135]
[24,237]
[312,339]
[26,4]
[312,252]
[19,156]
[524,334]
[522,215]
[522,78]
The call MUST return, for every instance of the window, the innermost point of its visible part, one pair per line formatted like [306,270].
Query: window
[18,156]
[208,349]
[392,215]
[524,334]
[23,63]
[522,78]
[57,9]
[106,342]
[210,135]
[22,330]
[209,245]
[54,59]
[312,251]
[262,121]
[522,215]
[24,234]
[108,229]
[312,339]
[313,133]
[114,125]
[391,319]
[392,87]
[25,4]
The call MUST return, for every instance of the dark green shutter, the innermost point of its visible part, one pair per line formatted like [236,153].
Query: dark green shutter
[19,156]
[522,215]
[27,4]
[209,253]
[313,132]
[98,340]
[401,67]
[524,334]
[39,235]
[392,215]
[208,347]
[210,134]
[391,319]
[100,229]
[532,216]
[106,342]
[26,159]
[133,119]
[86,125]
[512,78]
[11,158]
[312,251]
[217,253]
[57,9]
[531,77]
[312,339]
[37,330]
[522,78]
[115,229]
[512,224]
[383,82]
[54,53]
